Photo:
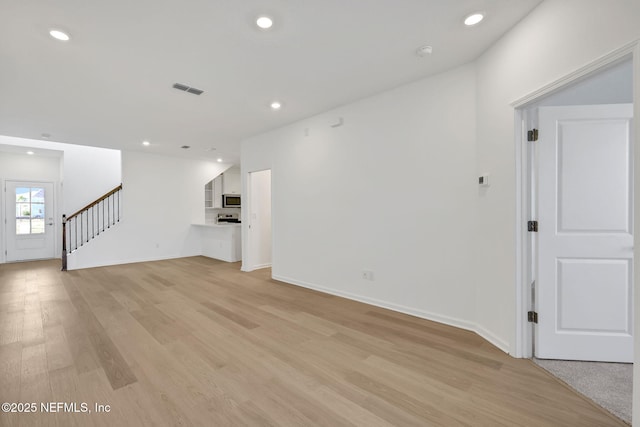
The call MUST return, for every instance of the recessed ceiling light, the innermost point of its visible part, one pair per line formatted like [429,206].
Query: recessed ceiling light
[146,143]
[30,153]
[264,22]
[275,105]
[473,19]
[220,160]
[59,35]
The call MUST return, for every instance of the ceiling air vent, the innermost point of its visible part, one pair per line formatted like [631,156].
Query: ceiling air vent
[188,89]
[194,91]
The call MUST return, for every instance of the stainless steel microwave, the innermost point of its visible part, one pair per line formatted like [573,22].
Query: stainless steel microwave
[231,201]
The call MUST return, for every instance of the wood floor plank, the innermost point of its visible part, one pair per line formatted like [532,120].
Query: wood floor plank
[65,387]
[159,325]
[57,348]
[114,365]
[234,317]
[10,371]
[11,327]
[84,355]
[95,388]
[156,401]
[34,382]
[195,341]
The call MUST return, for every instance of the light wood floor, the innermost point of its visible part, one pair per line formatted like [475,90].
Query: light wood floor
[196,342]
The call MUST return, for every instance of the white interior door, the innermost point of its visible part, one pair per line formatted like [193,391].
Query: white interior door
[29,221]
[259,240]
[585,235]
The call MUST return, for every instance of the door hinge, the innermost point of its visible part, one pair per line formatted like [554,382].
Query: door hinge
[532,226]
[532,316]
[532,135]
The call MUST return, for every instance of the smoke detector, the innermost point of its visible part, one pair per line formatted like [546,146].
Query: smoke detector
[424,51]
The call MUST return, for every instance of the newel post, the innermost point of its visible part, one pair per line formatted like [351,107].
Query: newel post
[64,243]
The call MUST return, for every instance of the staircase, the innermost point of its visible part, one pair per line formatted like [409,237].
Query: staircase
[87,223]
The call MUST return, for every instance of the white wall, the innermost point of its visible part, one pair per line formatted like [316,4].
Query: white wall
[613,85]
[340,179]
[556,39]
[162,196]
[83,173]
[393,190]
[87,172]
[636,219]
[22,167]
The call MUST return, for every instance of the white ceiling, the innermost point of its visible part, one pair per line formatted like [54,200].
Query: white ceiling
[110,85]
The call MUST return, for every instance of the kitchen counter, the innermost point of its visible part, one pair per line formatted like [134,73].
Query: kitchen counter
[227,224]
[221,241]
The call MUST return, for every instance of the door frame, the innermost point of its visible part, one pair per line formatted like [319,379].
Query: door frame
[524,157]
[247,261]
[4,202]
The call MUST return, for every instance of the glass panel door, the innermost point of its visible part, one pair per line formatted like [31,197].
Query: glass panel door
[30,210]
[30,229]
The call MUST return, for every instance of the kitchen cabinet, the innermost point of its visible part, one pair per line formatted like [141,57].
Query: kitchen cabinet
[213,193]
[223,242]
[231,181]
[208,194]
[226,183]
[217,191]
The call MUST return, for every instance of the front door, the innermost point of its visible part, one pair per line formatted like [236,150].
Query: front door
[30,225]
[585,233]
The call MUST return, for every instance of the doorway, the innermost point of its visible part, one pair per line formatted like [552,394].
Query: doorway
[259,242]
[584,274]
[610,80]
[30,225]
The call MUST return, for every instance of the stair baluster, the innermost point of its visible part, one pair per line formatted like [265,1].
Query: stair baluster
[97,215]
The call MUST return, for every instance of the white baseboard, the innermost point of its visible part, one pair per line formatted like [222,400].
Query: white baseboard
[492,338]
[71,267]
[255,267]
[218,258]
[447,320]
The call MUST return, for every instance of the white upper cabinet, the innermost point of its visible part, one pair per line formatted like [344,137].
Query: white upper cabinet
[226,183]
[231,181]
[213,193]
[208,194]
[217,191]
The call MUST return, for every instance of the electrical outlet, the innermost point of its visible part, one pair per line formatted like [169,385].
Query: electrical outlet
[367,275]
